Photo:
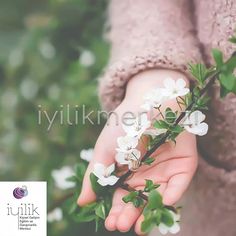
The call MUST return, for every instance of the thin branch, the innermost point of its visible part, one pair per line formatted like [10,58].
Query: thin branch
[143,196]
[210,82]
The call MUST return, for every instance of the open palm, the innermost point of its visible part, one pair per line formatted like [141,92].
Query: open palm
[173,169]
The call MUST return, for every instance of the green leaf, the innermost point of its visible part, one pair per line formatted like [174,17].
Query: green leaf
[154,200]
[202,103]
[170,116]
[138,202]
[97,188]
[161,124]
[188,99]
[149,161]
[223,92]
[218,57]
[149,186]
[72,178]
[86,213]
[134,198]
[80,170]
[100,211]
[156,139]
[98,224]
[228,81]
[229,65]
[199,72]
[177,129]
[147,225]
[196,92]
[167,218]
[130,197]
[158,217]
[232,39]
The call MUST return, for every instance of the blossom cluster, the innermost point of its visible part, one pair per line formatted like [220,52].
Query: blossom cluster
[127,145]
[127,152]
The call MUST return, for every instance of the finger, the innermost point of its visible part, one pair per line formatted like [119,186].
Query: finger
[138,224]
[87,195]
[117,206]
[176,186]
[130,214]
[101,155]
[127,217]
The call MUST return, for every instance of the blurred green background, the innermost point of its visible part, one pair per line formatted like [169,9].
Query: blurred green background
[51,54]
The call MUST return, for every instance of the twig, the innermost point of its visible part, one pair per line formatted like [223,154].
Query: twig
[210,82]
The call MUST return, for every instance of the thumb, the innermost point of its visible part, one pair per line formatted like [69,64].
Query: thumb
[87,195]
[101,155]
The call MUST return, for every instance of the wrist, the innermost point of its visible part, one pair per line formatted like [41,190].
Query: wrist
[145,81]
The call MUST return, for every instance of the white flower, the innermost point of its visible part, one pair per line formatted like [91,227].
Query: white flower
[136,129]
[47,50]
[29,145]
[104,174]
[61,175]
[29,88]
[173,89]
[193,123]
[153,99]
[16,57]
[54,92]
[55,215]
[174,229]
[126,143]
[87,58]
[87,155]
[131,158]
[154,132]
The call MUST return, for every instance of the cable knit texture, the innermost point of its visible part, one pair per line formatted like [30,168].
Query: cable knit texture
[215,26]
[146,34]
[168,34]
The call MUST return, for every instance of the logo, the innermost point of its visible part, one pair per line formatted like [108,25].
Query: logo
[19,193]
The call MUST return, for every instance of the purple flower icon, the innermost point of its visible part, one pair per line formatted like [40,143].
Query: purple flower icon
[19,193]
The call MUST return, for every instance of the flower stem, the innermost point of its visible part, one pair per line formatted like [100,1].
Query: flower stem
[210,82]
[158,108]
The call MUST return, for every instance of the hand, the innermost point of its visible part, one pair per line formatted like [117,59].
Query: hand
[173,168]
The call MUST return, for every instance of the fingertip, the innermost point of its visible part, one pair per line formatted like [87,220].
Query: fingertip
[86,197]
[137,227]
[110,223]
[123,226]
[168,199]
[128,217]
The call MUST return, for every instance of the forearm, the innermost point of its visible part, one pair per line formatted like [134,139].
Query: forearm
[146,35]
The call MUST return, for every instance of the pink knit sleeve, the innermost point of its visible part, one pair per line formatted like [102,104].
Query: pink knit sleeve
[146,34]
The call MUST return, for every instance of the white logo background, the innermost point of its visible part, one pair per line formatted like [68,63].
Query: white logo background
[32,209]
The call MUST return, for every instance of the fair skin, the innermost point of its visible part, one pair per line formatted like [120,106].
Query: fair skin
[173,168]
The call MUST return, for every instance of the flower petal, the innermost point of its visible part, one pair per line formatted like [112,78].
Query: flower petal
[180,83]
[200,129]
[121,158]
[135,155]
[169,83]
[99,170]
[103,181]
[163,228]
[197,117]
[111,180]
[110,169]
[203,127]
[175,228]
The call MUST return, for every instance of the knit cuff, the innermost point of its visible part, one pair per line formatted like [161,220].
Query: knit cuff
[112,84]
